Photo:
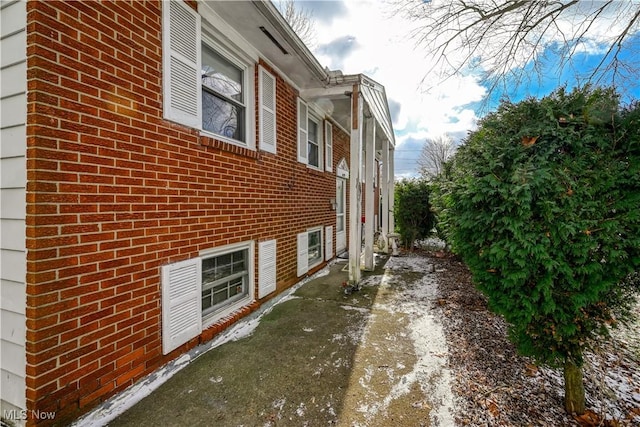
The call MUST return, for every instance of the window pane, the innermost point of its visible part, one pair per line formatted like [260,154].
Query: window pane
[314,238]
[220,293]
[220,75]
[313,131]
[313,146]
[206,299]
[236,287]
[313,154]
[221,117]
[315,247]
[223,98]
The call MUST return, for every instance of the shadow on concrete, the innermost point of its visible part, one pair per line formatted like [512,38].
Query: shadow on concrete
[294,370]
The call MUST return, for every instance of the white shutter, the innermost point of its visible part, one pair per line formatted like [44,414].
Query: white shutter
[181,303]
[181,64]
[303,253]
[267,101]
[328,245]
[266,268]
[303,132]
[328,146]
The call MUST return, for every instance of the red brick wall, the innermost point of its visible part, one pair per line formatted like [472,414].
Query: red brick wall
[114,192]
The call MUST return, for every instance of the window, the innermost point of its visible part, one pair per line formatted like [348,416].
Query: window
[314,142]
[313,147]
[315,247]
[223,96]
[225,280]
[309,250]
[205,288]
[207,83]
[310,137]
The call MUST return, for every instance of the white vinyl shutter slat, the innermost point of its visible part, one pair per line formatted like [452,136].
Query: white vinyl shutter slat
[181,64]
[181,303]
[303,132]
[266,268]
[328,246]
[328,144]
[303,253]
[267,102]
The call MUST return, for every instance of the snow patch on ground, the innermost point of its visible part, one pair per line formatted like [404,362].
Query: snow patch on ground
[117,405]
[120,403]
[352,308]
[406,292]
[431,371]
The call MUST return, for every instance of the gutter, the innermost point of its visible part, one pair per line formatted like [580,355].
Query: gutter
[327,77]
[273,16]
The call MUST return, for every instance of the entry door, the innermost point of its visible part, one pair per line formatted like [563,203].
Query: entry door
[341,220]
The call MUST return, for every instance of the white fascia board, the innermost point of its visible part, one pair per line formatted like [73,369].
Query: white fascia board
[378,105]
[274,17]
[326,92]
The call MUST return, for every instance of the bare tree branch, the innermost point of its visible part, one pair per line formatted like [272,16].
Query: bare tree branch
[502,41]
[434,153]
[300,21]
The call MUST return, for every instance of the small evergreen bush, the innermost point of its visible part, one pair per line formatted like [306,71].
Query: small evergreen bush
[543,205]
[414,219]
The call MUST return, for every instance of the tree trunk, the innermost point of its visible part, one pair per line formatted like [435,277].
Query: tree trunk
[573,388]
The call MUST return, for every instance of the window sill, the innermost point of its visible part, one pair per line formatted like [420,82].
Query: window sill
[215,317]
[315,171]
[212,142]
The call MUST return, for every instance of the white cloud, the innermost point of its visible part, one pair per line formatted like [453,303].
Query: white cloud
[380,46]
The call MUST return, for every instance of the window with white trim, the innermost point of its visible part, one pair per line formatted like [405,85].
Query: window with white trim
[310,137]
[206,84]
[199,291]
[225,280]
[223,96]
[310,249]
[313,145]
[315,252]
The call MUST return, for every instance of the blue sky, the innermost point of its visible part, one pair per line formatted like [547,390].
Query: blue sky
[365,36]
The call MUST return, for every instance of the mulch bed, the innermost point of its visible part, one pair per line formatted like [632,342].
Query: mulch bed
[495,386]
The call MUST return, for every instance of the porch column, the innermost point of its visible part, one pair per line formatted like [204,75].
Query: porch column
[392,223]
[355,186]
[384,184]
[370,200]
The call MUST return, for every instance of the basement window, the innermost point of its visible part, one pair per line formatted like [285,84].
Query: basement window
[225,280]
[315,247]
